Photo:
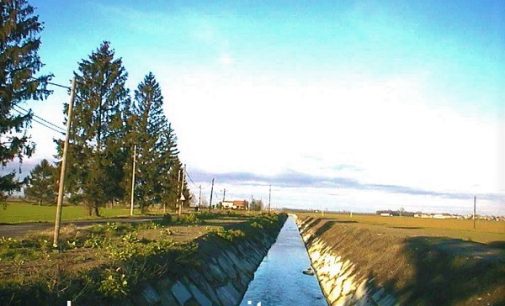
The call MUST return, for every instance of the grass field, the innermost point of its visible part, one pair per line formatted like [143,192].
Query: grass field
[485,232]
[19,212]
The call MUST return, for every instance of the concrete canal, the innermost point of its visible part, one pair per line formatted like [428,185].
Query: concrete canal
[279,279]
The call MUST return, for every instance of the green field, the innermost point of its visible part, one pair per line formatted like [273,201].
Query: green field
[19,212]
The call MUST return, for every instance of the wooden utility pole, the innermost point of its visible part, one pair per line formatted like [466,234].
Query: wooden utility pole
[474,210]
[61,190]
[224,194]
[199,196]
[182,190]
[211,192]
[177,190]
[269,196]
[132,199]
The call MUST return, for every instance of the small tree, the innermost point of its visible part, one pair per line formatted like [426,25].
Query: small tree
[19,63]
[42,183]
[256,205]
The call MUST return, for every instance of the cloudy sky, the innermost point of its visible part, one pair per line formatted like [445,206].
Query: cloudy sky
[340,105]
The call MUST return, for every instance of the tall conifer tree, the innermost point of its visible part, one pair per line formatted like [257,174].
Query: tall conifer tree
[150,126]
[19,64]
[98,127]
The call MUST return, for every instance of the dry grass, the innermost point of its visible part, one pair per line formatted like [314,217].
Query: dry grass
[486,231]
[420,269]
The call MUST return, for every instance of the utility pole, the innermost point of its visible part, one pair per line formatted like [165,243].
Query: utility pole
[269,196]
[211,192]
[57,220]
[474,210]
[224,194]
[177,190]
[132,199]
[200,196]
[182,190]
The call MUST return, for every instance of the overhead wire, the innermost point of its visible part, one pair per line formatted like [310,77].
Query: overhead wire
[52,126]
[190,179]
[59,85]
[41,122]
[40,118]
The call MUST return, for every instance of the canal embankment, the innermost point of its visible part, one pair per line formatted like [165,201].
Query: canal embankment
[371,265]
[141,268]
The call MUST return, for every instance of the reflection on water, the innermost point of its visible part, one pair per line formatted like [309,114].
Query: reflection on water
[279,279]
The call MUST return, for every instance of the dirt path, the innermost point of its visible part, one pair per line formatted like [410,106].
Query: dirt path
[22,229]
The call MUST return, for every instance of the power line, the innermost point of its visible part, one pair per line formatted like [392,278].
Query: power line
[58,85]
[41,123]
[40,118]
[45,123]
[190,179]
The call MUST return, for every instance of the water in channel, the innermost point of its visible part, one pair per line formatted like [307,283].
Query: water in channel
[279,279]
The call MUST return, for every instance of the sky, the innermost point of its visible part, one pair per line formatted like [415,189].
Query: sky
[339,105]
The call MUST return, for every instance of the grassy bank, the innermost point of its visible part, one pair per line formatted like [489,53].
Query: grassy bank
[19,212]
[102,264]
[418,269]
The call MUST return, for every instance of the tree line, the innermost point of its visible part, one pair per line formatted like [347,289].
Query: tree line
[107,127]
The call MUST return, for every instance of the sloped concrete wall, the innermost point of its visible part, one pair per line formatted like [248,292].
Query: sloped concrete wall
[339,278]
[222,280]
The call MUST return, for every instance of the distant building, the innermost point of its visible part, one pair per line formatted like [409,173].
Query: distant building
[236,204]
[240,204]
[444,216]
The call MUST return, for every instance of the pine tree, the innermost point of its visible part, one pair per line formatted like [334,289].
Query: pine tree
[98,128]
[170,166]
[42,183]
[19,64]
[150,126]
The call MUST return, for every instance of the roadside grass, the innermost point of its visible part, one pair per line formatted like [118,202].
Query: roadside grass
[19,212]
[485,232]
[23,212]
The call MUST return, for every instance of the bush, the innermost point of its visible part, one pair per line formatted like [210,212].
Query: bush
[167,218]
[229,235]
[189,219]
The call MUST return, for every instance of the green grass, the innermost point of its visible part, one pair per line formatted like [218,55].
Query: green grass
[19,212]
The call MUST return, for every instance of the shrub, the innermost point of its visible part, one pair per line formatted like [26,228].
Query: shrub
[167,218]
[189,219]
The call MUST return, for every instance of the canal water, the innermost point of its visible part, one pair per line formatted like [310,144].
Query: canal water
[279,279]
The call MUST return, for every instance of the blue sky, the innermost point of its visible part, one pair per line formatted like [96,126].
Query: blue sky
[406,94]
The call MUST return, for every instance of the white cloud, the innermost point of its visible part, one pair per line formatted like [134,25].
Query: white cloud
[390,129]
[383,131]
[226,60]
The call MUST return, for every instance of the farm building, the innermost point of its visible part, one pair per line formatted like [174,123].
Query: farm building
[236,204]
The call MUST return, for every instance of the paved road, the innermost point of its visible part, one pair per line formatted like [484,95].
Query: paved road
[19,230]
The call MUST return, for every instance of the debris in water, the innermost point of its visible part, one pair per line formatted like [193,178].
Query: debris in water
[308,271]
